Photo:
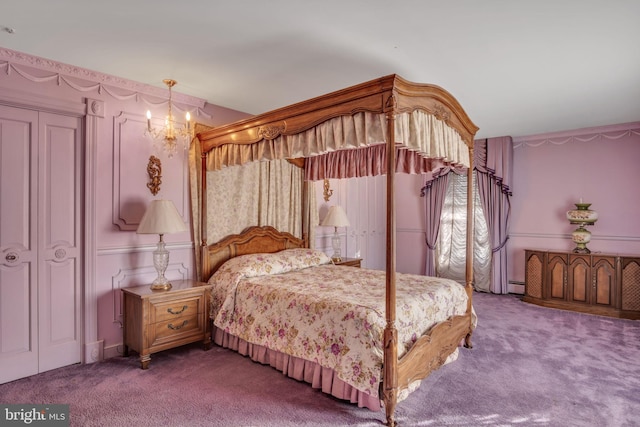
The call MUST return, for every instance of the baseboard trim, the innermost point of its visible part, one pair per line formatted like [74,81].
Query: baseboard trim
[113,351]
[94,352]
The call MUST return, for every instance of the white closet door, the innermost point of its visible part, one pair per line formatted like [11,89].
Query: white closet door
[18,244]
[40,239]
[59,241]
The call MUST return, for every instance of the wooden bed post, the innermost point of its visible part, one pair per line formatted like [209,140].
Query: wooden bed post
[470,239]
[306,225]
[390,361]
[204,254]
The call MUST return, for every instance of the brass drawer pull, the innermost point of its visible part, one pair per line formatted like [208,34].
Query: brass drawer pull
[184,307]
[175,328]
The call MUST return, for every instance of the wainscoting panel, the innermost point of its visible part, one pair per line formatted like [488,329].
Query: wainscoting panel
[131,151]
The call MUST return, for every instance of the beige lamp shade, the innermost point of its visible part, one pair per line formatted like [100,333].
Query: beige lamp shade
[336,217]
[161,217]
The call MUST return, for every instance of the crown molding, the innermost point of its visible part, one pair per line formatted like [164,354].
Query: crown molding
[610,132]
[14,61]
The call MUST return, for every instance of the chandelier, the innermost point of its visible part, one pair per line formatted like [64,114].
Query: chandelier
[169,135]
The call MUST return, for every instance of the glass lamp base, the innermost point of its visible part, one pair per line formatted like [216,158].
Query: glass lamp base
[161,262]
[160,286]
[335,242]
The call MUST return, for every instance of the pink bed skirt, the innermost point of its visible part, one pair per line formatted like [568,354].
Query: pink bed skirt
[299,369]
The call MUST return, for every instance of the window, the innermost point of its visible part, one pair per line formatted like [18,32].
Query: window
[450,247]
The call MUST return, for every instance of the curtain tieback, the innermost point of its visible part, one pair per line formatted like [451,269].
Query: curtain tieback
[501,246]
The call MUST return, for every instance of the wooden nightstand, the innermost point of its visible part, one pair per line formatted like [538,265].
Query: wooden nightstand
[159,320]
[351,262]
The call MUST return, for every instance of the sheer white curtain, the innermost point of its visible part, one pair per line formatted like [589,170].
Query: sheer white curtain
[451,243]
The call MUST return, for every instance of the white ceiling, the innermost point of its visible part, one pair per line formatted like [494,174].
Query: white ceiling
[517,67]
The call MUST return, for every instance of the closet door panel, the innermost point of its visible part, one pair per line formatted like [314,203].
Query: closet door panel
[18,244]
[60,240]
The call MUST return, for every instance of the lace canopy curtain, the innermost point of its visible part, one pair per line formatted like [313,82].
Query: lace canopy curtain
[259,193]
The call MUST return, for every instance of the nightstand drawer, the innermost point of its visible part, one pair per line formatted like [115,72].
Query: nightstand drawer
[351,262]
[175,329]
[156,321]
[170,310]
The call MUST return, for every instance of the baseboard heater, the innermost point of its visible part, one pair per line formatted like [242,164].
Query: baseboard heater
[516,287]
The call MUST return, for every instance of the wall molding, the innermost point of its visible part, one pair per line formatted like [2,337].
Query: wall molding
[124,250]
[93,346]
[120,215]
[594,236]
[88,81]
[21,99]
[410,230]
[127,205]
[610,133]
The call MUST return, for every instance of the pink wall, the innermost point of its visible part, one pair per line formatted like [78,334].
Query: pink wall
[553,171]
[117,154]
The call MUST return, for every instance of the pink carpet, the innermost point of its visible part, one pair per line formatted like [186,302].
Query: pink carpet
[530,366]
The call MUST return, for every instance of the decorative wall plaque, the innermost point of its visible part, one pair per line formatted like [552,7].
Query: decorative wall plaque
[154,169]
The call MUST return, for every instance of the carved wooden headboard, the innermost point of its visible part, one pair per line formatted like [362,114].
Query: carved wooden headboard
[252,240]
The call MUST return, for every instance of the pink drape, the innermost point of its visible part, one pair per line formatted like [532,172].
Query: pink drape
[434,192]
[367,161]
[495,172]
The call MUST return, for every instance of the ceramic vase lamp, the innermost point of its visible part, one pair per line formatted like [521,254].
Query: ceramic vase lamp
[582,216]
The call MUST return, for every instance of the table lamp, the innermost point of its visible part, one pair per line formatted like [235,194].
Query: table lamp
[161,218]
[336,217]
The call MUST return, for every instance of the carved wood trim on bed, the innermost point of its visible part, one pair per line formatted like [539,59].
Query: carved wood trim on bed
[252,240]
[390,93]
[434,348]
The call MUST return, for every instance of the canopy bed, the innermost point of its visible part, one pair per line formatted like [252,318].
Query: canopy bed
[383,126]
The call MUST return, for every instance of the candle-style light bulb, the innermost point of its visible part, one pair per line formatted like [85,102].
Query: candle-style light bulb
[149,120]
[188,121]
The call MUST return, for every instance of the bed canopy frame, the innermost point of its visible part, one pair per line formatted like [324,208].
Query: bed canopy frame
[408,119]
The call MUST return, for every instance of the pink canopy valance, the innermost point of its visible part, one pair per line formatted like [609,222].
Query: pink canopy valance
[367,161]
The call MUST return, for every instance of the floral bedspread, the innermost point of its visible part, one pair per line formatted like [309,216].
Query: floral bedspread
[295,301]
